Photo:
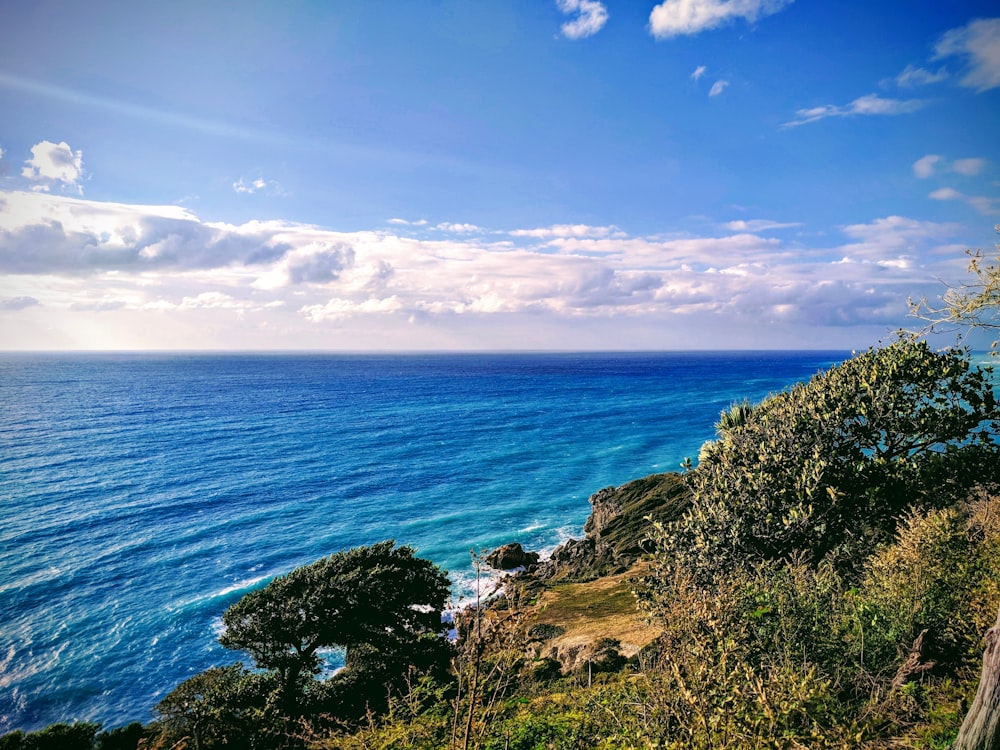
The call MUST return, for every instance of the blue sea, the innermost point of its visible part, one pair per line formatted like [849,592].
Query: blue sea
[142,494]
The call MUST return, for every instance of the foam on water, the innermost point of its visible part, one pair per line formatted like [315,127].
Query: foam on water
[142,495]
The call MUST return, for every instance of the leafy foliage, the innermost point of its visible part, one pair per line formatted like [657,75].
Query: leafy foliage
[375,602]
[827,467]
[78,736]
[222,706]
[381,604]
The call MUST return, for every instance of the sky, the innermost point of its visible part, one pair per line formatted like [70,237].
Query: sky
[472,175]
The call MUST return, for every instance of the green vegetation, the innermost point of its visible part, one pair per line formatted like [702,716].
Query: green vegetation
[825,468]
[823,578]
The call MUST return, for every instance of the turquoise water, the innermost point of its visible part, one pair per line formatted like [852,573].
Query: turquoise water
[142,494]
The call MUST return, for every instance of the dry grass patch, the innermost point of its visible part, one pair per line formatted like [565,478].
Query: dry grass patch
[589,612]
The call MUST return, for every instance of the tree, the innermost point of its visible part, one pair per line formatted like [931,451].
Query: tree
[972,305]
[827,467]
[981,728]
[220,706]
[380,599]
[77,736]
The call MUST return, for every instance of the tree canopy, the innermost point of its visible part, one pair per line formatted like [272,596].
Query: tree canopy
[829,465]
[380,596]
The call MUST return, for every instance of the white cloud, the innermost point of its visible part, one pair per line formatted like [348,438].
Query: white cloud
[569,230]
[163,276]
[341,309]
[242,186]
[249,187]
[458,228]
[698,72]
[968,167]
[42,233]
[873,104]
[316,262]
[681,17]
[891,236]
[870,104]
[759,225]
[945,194]
[54,162]
[983,204]
[933,163]
[924,166]
[913,76]
[979,43]
[718,87]
[590,17]
[404,222]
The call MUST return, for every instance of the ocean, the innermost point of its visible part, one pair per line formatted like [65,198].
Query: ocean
[142,494]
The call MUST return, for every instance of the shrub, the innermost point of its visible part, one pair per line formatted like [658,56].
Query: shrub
[826,468]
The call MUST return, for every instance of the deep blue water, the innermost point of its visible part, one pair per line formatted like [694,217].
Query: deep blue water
[142,494]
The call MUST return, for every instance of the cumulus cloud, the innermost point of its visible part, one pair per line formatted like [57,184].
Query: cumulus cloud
[590,17]
[870,104]
[316,262]
[718,87]
[978,43]
[41,233]
[54,162]
[698,72]
[683,17]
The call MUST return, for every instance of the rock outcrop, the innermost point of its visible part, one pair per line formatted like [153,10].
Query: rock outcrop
[511,556]
[616,530]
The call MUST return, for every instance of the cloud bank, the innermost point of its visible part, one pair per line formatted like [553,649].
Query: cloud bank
[162,268]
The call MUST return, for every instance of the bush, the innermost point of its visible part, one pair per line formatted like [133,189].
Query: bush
[826,468]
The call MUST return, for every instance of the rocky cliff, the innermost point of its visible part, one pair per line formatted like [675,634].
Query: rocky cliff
[615,532]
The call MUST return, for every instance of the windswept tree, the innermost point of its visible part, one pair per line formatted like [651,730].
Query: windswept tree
[826,468]
[380,599]
[381,605]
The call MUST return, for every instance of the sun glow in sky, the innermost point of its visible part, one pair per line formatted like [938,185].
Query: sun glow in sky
[552,174]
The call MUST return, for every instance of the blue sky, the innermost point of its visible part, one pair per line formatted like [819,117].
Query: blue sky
[554,174]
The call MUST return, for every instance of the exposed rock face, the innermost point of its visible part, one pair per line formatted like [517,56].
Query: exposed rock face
[617,526]
[511,556]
